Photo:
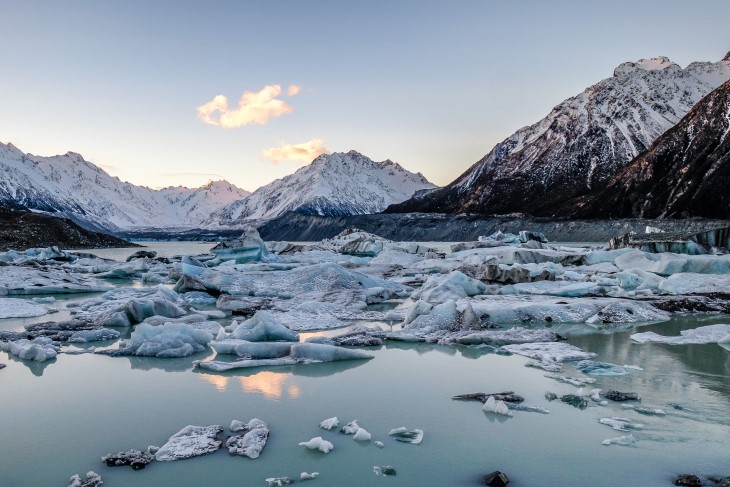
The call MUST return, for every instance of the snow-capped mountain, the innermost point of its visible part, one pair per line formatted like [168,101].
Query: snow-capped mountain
[333,184]
[686,173]
[581,144]
[69,186]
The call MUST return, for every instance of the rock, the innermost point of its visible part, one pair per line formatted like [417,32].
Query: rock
[252,443]
[725,482]
[687,480]
[133,458]
[142,254]
[575,401]
[2,366]
[621,396]
[191,441]
[507,396]
[92,479]
[496,478]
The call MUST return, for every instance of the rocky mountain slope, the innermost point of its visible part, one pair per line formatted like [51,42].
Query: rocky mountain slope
[686,173]
[21,230]
[582,143]
[333,184]
[71,187]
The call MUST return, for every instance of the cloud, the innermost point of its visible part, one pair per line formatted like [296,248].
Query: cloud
[305,152]
[254,107]
[293,90]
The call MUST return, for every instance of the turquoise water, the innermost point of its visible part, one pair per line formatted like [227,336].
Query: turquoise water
[59,418]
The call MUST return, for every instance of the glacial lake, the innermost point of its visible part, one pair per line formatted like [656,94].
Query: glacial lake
[58,418]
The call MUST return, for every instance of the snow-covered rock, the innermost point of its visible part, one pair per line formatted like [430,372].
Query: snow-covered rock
[191,441]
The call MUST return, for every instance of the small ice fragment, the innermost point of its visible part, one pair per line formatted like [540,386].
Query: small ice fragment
[308,476]
[386,470]
[620,424]
[361,435]
[379,444]
[402,434]
[497,407]
[318,443]
[92,479]
[279,481]
[621,440]
[330,424]
[350,428]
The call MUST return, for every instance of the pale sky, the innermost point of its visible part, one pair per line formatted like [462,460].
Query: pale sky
[150,90]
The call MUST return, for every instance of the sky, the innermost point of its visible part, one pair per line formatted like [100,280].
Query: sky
[164,93]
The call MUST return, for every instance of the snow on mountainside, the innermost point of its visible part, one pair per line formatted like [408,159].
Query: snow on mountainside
[69,186]
[581,144]
[333,184]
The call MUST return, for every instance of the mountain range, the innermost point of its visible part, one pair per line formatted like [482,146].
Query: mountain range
[581,144]
[68,186]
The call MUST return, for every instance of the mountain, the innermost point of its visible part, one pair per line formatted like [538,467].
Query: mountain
[71,187]
[685,173]
[581,144]
[20,230]
[333,184]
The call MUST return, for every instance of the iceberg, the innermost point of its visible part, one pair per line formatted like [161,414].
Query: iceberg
[252,443]
[92,479]
[191,441]
[247,248]
[252,350]
[38,349]
[16,280]
[362,435]
[350,428]
[127,306]
[262,327]
[330,424]
[496,407]
[700,335]
[133,458]
[621,440]
[453,286]
[318,444]
[166,341]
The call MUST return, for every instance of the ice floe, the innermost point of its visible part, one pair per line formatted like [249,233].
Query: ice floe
[38,349]
[700,335]
[549,351]
[20,308]
[191,441]
[252,442]
[166,341]
[620,424]
[621,440]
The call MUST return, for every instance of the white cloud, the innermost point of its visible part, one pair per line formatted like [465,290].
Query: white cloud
[305,152]
[254,107]
[293,90]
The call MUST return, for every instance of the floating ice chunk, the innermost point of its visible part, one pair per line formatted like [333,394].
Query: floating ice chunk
[576,381]
[263,327]
[700,335]
[247,248]
[127,306]
[197,322]
[628,312]
[198,298]
[98,335]
[20,308]
[590,367]
[497,407]
[379,444]
[507,337]
[620,424]
[441,288]
[526,408]
[621,396]
[278,481]
[330,424]
[212,313]
[506,396]
[133,458]
[386,470]
[645,410]
[546,366]
[596,397]
[363,247]
[38,350]
[549,351]
[315,352]
[575,400]
[621,440]
[413,437]
[191,441]
[15,280]
[252,443]
[92,479]
[166,341]
[252,350]
[318,443]
[362,435]
[667,264]
[308,476]
[218,366]
[350,428]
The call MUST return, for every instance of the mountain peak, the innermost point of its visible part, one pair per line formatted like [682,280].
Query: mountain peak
[659,63]
[727,57]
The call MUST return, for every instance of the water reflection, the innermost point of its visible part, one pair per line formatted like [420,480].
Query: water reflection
[272,385]
[36,368]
